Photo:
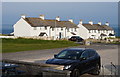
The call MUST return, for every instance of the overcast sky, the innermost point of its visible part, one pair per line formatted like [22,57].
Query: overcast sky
[95,11]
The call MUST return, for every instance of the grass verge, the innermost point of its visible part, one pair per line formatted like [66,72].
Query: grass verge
[20,44]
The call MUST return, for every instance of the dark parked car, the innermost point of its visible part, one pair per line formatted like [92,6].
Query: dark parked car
[78,61]
[76,38]
[9,70]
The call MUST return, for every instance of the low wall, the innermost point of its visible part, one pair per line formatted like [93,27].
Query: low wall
[33,37]
[39,69]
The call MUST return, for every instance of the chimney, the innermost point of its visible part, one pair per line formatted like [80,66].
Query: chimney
[58,18]
[91,22]
[81,21]
[99,23]
[23,16]
[42,17]
[71,20]
[107,23]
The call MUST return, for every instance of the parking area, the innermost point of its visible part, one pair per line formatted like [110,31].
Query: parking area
[108,53]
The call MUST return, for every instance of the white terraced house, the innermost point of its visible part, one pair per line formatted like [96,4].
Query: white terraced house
[95,31]
[57,29]
[29,26]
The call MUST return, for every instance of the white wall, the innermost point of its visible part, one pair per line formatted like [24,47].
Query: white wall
[22,28]
[83,32]
[38,30]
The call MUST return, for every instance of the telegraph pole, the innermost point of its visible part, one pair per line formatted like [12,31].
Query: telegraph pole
[55,31]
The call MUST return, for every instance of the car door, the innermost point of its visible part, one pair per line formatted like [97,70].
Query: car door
[92,59]
[85,62]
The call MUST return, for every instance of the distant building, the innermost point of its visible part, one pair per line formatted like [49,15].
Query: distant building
[95,31]
[55,28]
[28,26]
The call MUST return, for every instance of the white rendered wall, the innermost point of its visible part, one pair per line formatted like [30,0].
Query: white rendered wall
[83,32]
[38,30]
[56,32]
[22,28]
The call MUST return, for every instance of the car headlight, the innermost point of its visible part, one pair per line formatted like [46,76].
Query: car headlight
[67,67]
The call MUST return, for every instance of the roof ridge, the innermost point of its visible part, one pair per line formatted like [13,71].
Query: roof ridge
[34,22]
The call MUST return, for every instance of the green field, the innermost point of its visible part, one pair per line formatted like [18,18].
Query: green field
[20,44]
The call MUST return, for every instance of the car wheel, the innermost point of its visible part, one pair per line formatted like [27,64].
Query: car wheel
[96,71]
[75,73]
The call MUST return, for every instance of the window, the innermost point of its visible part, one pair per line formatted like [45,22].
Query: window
[67,29]
[91,53]
[52,29]
[75,30]
[85,54]
[98,31]
[101,31]
[57,29]
[71,29]
[45,27]
[69,54]
[89,31]
[106,31]
[35,28]
[63,54]
[94,31]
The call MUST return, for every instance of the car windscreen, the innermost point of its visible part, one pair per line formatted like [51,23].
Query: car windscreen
[69,54]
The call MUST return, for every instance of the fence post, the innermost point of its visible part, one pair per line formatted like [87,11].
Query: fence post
[111,68]
[115,69]
[103,70]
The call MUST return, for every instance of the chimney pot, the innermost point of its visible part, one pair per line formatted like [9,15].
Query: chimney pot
[99,23]
[91,22]
[23,16]
[42,17]
[71,20]
[107,23]
[58,18]
[80,22]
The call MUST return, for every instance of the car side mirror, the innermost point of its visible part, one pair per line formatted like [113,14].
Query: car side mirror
[83,58]
[55,55]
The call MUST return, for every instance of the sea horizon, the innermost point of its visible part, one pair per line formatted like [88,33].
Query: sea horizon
[8,28]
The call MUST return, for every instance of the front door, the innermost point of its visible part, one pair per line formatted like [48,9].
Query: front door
[60,35]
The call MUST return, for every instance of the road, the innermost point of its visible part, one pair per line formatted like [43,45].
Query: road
[108,53]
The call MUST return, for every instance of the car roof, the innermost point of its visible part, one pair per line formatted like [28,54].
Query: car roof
[83,49]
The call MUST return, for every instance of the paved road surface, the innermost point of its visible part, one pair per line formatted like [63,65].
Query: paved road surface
[109,53]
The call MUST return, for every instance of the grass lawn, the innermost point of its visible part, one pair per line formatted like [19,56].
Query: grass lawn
[20,44]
